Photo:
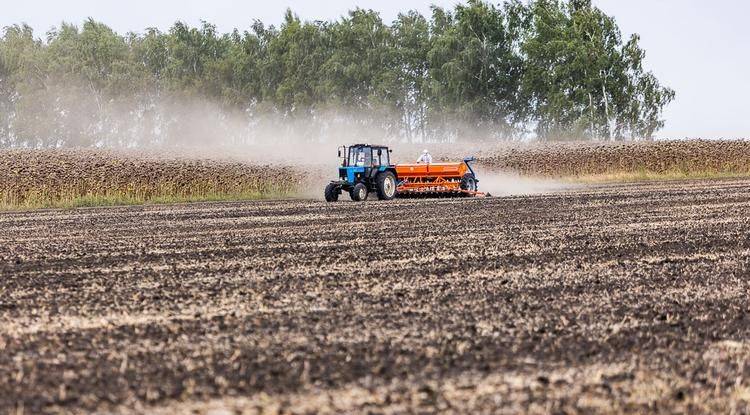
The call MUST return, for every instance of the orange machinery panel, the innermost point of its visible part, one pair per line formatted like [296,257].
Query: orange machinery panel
[442,170]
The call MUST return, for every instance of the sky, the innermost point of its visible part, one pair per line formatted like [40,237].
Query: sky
[699,48]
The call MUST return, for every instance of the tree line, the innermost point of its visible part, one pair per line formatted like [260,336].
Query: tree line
[545,69]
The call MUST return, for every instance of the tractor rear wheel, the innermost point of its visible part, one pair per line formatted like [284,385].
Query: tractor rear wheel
[469,182]
[332,192]
[386,185]
[359,192]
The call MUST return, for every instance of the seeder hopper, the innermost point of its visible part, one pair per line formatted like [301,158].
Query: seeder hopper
[366,169]
[437,179]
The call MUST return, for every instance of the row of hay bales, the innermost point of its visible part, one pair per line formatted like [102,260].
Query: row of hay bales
[38,178]
[688,157]
[55,177]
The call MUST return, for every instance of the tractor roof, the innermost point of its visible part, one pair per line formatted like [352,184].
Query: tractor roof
[367,145]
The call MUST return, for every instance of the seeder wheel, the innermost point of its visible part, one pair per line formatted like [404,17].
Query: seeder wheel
[469,182]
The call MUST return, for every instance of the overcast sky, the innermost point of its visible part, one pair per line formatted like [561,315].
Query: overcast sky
[700,48]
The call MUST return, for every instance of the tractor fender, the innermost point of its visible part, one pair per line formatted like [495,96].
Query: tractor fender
[392,169]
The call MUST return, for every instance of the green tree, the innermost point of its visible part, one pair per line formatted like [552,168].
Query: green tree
[557,68]
[24,78]
[6,103]
[89,71]
[581,80]
[360,76]
[296,56]
[475,71]
[411,33]
[643,101]
[191,54]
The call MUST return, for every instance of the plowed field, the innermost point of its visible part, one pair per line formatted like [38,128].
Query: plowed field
[629,298]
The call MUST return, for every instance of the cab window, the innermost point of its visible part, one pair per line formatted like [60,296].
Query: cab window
[376,158]
[360,156]
[384,160]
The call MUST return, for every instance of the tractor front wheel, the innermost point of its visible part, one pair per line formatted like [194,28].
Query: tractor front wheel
[332,192]
[359,192]
[386,185]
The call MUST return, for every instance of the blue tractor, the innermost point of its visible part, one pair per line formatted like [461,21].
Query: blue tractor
[364,169]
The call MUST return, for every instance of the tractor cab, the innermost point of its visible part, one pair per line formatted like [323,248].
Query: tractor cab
[364,169]
[364,155]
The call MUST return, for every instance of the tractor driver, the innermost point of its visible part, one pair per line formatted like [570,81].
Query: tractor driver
[360,157]
[425,158]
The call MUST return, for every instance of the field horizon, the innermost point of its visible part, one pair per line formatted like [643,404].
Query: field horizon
[67,178]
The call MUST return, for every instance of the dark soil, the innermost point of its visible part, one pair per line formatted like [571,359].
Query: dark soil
[630,299]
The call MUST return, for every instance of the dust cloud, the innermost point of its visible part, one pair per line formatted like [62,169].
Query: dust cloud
[500,184]
[189,127]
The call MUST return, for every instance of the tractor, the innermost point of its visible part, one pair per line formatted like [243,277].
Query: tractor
[364,169]
[367,168]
